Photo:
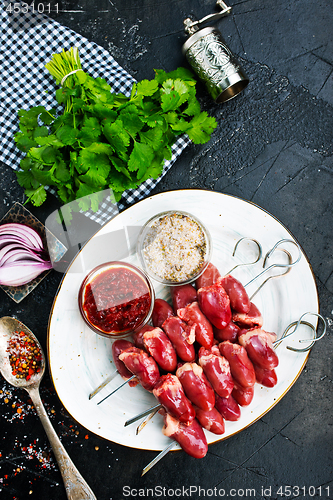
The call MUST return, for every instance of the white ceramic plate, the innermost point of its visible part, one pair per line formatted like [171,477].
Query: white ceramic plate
[80,359]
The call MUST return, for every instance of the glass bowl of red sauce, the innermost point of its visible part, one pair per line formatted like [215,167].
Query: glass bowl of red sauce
[116,299]
[174,247]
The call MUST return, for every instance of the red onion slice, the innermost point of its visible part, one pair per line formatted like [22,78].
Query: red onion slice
[10,238]
[16,253]
[21,272]
[28,234]
[7,250]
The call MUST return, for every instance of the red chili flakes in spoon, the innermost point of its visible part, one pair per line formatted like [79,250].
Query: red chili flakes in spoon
[24,355]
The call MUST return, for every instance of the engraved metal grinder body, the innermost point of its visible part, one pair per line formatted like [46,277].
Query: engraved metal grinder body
[211,59]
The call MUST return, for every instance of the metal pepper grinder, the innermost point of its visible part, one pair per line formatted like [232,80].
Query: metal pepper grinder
[211,59]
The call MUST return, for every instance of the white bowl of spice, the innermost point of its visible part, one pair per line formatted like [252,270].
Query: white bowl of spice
[174,247]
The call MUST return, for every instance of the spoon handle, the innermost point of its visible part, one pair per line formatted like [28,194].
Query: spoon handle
[76,487]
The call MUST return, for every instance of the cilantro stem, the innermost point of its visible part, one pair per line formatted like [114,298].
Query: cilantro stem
[47,111]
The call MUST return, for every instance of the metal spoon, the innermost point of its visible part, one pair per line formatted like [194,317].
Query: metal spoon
[76,486]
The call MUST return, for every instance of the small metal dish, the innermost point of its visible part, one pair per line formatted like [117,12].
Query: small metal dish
[116,299]
[174,247]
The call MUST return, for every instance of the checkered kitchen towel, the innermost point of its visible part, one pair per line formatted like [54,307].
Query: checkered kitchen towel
[28,41]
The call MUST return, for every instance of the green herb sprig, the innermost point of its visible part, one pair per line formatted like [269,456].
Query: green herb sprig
[105,140]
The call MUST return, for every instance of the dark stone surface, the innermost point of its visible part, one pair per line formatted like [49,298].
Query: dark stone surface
[273,146]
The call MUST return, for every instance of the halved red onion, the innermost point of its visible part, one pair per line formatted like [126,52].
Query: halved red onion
[21,255]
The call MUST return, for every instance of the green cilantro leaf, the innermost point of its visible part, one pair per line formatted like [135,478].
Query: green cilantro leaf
[44,176]
[26,163]
[44,154]
[182,74]
[47,117]
[202,127]
[101,84]
[62,172]
[48,154]
[181,125]
[84,189]
[170,100]
[146,87]
[85,160]
[168,86]
[25,179]
[103,111]
[155,119]
[153,137]
[65,195]
[36,196]
[140,158]
[97,171]
[24,143]
[131,122]
[29,118]
[120,166]
[154,169]
[61,95]
[67,135]
[193,107]
[40,132]
[160,76]
[117,137]
[50,140]
[100,147]
[78,103]
[81,77]
[183,91]
[90,132]
[119,183]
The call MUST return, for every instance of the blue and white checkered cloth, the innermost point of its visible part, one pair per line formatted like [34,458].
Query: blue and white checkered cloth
[28,42]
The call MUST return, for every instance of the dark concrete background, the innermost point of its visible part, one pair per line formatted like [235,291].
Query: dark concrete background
[273,146]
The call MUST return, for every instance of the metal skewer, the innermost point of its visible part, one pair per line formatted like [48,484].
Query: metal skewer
[103,384]
[146,420]
[276,265]
[142,414]
[288,266]
[295,325]
[158,458]
[119,387]
[246,263]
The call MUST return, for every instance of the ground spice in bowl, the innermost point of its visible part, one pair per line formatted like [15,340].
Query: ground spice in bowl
[174,247]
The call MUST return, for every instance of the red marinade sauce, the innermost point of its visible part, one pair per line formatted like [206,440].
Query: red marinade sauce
[116,300]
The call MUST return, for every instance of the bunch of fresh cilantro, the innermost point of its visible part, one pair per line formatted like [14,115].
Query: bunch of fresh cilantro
[104,140]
